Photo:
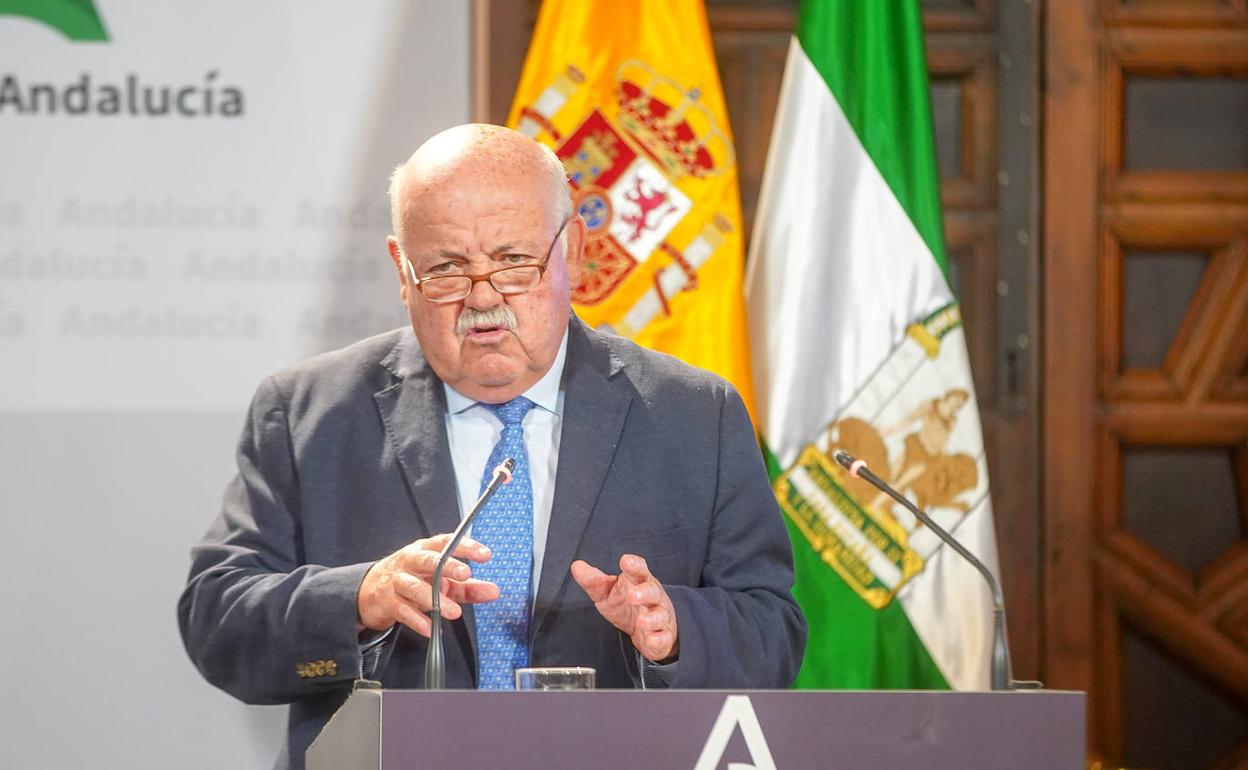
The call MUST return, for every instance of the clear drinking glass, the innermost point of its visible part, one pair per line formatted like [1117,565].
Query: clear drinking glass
[555,678]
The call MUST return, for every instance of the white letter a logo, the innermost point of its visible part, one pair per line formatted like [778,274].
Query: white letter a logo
[737,711]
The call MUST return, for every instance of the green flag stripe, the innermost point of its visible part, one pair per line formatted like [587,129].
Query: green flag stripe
[838,620]
[871,56]
[886,652]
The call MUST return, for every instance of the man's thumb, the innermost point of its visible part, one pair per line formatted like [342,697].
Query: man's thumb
[595,582]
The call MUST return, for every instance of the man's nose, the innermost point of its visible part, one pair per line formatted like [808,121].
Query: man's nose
[483,296]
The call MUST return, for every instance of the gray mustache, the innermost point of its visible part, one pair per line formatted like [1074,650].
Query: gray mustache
[469,319]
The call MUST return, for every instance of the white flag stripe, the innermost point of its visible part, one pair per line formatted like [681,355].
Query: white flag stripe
[950,606]
[843,264]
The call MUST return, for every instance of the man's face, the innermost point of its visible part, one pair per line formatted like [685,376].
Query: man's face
[472,226]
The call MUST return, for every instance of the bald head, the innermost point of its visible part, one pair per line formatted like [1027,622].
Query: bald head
[497,156]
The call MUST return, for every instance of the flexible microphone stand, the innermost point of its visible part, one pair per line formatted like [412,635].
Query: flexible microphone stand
[435,660]
[1000,650]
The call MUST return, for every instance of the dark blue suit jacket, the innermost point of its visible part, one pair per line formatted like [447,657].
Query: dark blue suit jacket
[344,459]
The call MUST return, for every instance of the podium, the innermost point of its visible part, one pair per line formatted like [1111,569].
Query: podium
[704,730]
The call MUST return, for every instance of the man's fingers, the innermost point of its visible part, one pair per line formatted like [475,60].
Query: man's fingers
[418,561]
[413,590]
[654,620]
[646,594]
[433,543]
[472,550]
[423,563]
[454,570]
[417,621]
[635,567]
[661,640]
[468,548]
[472,591]
[418,594]
[657,645]
[596,583]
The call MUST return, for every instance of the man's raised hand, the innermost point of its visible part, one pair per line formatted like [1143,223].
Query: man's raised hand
[635,602]
[397,589]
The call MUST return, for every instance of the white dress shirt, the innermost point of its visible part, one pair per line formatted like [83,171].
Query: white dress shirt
[472,431]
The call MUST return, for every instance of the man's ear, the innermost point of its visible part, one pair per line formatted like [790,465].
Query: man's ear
[396,256]
[574,254]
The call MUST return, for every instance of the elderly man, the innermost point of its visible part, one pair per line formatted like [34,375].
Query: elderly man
[639,535]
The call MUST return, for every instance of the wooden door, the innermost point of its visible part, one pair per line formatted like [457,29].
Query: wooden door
[1146,375]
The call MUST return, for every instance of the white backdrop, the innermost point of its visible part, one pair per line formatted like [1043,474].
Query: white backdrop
[153,268]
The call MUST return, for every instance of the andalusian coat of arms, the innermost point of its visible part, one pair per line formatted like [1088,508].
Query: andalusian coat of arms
[912,427]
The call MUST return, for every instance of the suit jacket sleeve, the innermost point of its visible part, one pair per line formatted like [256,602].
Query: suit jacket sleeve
[741,626]
[258,622]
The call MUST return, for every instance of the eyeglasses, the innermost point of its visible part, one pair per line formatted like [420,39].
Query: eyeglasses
[516,279]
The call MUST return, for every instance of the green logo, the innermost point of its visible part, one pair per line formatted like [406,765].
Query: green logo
[75,19]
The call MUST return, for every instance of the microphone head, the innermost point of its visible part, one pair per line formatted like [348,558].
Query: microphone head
[505,469]
[849,462]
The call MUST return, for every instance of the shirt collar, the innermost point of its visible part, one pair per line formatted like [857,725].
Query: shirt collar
[543,393]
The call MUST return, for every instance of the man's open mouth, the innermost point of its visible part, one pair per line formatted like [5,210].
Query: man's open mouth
[487,333]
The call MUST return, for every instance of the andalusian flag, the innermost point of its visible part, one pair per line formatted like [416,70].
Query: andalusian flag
[628,96]
[858,345]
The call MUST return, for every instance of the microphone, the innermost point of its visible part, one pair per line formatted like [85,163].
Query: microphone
[435,661]
[1000,651]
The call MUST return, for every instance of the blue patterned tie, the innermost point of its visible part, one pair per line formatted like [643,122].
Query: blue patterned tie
[506,526]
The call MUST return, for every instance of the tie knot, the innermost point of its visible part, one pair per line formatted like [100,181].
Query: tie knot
[511,412]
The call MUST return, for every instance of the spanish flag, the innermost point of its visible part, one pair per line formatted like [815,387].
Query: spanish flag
[628,96]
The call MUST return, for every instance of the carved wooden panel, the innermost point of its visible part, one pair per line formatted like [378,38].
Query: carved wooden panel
[1146,413]
[959,15]
[969,71]
[1177,575]
[971,245]
[1233,380]
[1161,111]
[751,66]
[1197,725]
[1178,54]
[507,25]
[1212,316]
[1169,13]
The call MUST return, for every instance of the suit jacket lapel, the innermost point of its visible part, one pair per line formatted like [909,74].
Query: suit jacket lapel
[413,410]
[593,417]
